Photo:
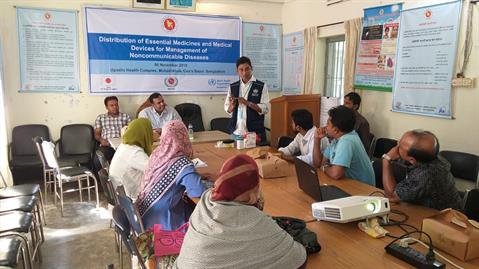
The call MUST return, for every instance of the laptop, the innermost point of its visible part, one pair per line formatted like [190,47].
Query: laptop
[308,181]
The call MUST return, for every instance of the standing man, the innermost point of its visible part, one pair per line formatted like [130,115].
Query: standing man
[352,101]
[428,181]
[302,123]
[247,101]
[345,157]
[159,112]
[109,126]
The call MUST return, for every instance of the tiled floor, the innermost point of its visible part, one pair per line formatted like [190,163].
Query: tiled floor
[81,239]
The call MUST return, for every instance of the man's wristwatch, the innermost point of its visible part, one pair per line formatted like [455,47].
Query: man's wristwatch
[385,156]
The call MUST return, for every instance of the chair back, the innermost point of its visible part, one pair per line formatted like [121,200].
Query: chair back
[284,141]
[22,138]
[191,113]
[76,139]
[103,161]
[382,146]
[123,228]
[49,153]
[220,124]
[471,204]
[107,187]
[132,213]
[399,172]
[463,165]
[37,140]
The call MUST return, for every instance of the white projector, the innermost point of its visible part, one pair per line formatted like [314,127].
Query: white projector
[351,208]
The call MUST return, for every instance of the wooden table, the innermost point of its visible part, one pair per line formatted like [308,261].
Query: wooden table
[199,137]
[209,136]
[343,245]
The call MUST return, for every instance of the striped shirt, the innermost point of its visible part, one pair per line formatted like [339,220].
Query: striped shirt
[111,125]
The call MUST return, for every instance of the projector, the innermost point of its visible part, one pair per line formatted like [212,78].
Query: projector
[351,208]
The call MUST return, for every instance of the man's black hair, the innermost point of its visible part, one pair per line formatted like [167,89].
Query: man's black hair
[243,60]
[355,98]
[154,96]
[303,118]
[342,118]
[109,98]
[420,154]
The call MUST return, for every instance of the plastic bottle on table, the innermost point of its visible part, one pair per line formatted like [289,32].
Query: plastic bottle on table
[190,131]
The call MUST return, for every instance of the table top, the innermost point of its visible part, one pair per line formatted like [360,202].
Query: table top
[343,245]
[209,136]
[199,137]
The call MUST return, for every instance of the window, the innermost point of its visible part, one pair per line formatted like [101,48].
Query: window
[334,67]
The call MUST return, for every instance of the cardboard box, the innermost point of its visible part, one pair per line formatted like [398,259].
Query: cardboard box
[452,232]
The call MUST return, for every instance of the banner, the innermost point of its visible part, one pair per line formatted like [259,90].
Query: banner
[293,63]
[48,46]
[426,59]
[376,55]
[262,44]
[136,51]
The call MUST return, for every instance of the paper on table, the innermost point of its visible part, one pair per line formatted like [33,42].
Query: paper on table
[199,163]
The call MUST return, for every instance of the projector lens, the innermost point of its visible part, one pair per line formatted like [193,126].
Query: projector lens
[371,207]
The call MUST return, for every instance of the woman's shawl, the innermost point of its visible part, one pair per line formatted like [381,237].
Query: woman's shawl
[234,235]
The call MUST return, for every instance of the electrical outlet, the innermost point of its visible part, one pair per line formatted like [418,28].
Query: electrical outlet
[463,82]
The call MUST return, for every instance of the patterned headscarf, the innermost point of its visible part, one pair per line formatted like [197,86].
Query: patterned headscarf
[174,144]
[238,175]
[139,133]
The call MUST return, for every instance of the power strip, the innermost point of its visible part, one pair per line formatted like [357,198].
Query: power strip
[413,257]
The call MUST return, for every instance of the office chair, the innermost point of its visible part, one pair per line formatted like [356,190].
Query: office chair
[191,113]
[464,168]
[220,124]
[77,144]
[23,157]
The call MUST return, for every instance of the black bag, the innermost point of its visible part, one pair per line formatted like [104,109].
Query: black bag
[297,229]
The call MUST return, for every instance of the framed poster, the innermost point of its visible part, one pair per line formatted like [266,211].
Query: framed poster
[183,5]
[155,4]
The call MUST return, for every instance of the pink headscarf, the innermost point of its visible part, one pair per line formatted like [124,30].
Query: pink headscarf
[174,144]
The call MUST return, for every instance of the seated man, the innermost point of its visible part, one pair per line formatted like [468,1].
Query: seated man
[345,157]
[352,101]
[159,112]
[302,122]
[109,126]
[428,181]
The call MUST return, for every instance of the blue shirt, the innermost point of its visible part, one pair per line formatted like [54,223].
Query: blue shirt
[170,211]
[348,151]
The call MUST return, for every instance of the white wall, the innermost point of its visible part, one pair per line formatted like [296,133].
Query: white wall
[461,133]
[58,109]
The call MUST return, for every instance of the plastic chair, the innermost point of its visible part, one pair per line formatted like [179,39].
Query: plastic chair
[471,204]
[284,141]
[399,172]
[381,146]
[123,228]
[464,167]
[63,176]
[132,213]
[103,161]
[220,124]
[22,152]
[77,144]
[10,248]
[107,186]
[191,113]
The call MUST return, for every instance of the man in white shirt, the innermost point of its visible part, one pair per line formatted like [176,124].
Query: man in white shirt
[303,143]
[247,101]
[159,112]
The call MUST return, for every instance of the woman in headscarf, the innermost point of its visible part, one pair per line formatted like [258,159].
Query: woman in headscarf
[169,174]
[227,230]
[131,157]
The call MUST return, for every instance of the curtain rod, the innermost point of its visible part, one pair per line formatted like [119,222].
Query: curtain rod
[330,24]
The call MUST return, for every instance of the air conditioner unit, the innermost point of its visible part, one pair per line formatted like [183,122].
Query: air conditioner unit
[351,208]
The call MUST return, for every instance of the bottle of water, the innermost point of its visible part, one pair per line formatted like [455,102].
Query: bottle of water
[190,131]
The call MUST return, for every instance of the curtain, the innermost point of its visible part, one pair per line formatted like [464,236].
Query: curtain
[352,33]
[310,39]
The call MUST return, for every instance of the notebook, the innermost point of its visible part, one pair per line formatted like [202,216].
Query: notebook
[308,181]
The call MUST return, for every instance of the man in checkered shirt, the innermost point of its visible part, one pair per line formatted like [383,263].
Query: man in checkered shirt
[109,126]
